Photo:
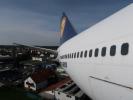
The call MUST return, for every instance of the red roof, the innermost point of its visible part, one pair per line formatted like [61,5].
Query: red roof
[57,85]
[42,75]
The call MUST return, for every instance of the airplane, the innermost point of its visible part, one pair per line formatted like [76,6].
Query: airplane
[99,59]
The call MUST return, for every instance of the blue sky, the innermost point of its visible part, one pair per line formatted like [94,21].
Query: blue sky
[36,22]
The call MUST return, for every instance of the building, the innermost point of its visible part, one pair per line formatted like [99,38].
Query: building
[37,58]
[39,79]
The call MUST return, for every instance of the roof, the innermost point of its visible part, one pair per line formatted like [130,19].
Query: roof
[42,75]
[56,85]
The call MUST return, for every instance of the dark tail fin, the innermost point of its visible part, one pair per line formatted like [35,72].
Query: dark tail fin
[66,29]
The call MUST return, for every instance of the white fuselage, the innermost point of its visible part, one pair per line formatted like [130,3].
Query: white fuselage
[103,77]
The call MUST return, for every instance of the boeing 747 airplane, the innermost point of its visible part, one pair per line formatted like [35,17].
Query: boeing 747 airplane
[100,59]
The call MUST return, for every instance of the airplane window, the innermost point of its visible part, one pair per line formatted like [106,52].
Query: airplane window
[67,55]
[124,48]
[85,54]
[90,53]
[70,55]
[112,50]
[63,56]
[103,52]
[96,52]
[77,54]
[81,54]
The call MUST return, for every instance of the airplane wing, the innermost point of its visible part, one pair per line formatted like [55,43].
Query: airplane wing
[54,52]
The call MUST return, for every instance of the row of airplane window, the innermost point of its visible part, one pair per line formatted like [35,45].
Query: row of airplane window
[124,51]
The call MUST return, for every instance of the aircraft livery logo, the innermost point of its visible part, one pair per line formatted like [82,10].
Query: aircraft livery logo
[63,25]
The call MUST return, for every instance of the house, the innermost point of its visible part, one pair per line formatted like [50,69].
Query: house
[37,58]
[39,79]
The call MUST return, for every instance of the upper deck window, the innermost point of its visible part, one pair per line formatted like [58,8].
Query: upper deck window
[124,48]
[113,50]
[96,52]
[103,52]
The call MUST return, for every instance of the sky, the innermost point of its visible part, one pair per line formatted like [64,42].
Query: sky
[36,22]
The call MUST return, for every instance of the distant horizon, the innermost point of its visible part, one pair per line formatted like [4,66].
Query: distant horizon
[33,45]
